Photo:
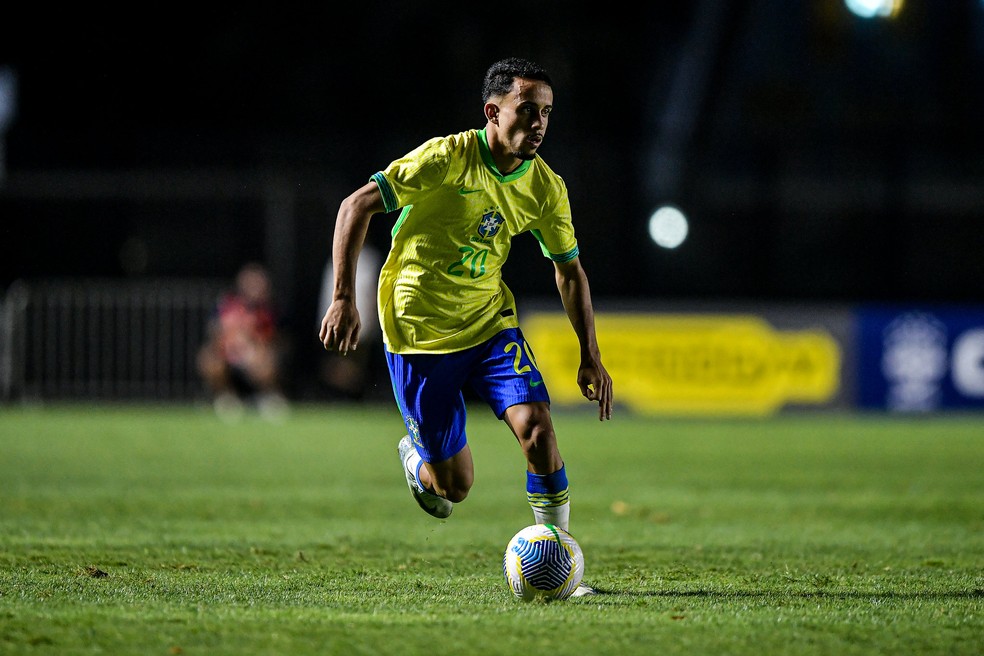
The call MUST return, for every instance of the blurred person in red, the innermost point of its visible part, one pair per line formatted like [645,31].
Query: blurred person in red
[241,358]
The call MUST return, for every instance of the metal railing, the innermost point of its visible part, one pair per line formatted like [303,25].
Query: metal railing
[93,339]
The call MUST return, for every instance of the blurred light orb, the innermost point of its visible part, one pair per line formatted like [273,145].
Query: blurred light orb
[875,8]
[668,227]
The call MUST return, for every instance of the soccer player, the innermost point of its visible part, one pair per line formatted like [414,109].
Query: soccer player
[448,319]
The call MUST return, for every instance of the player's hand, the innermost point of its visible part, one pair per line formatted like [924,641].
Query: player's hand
[596,385]
[340,327]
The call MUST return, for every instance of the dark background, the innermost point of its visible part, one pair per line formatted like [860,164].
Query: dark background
[820,157]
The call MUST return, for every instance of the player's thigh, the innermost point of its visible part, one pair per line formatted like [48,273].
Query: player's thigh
[428,392]
[506,374]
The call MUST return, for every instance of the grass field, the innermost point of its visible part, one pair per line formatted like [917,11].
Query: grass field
[164,531]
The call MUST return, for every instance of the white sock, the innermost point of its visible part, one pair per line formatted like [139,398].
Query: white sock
[556,515]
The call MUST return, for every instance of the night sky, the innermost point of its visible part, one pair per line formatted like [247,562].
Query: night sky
[819,157]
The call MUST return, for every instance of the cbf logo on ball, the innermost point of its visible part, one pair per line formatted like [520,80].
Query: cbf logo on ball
[489,225]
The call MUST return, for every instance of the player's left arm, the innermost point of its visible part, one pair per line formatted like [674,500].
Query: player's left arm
[592,377]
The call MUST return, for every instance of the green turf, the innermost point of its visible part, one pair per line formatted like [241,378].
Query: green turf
[165,531]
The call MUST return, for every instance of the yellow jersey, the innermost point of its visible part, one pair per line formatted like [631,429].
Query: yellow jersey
[441,288]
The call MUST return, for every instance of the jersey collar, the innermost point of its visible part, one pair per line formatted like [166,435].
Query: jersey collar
[486,152]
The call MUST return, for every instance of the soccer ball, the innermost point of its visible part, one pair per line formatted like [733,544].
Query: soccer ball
[544,562]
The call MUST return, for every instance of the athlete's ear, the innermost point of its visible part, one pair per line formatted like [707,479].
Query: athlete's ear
[492,113]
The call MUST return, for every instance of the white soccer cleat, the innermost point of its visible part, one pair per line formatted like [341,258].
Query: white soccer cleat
[431,503]
[584,591]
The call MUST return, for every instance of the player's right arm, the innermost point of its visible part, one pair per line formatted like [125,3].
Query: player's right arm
[592,377]
[341,325]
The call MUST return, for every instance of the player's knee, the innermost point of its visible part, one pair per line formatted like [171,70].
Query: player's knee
[456,494]
[539,442]
[527,420]
[454,488]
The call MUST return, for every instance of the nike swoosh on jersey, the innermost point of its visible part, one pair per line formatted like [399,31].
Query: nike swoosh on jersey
[536,383]
[464,191]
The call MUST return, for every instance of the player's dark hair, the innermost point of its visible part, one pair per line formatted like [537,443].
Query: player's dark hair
[499,77]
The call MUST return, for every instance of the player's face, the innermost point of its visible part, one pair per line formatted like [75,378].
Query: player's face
[523,116]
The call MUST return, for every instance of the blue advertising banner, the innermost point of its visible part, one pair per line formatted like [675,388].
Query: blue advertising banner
[921,359]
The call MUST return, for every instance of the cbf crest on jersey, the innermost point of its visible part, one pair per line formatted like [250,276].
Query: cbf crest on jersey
[489,225]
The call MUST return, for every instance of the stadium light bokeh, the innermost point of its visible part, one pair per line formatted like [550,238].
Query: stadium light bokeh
[875,8]
[668,227]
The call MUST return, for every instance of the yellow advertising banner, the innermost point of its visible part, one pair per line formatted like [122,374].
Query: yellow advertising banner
[692,364]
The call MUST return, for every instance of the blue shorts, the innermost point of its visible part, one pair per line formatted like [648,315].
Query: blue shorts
[429,389]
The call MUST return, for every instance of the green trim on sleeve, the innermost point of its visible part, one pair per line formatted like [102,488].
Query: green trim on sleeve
[563,257]
[389,197]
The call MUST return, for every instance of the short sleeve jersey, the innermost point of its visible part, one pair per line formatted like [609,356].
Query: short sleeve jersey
[441,287]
